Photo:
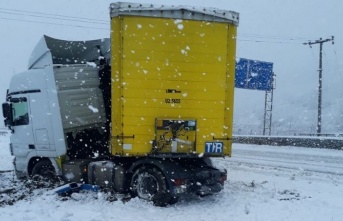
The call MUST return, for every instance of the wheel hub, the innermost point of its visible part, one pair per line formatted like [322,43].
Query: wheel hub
[147,186]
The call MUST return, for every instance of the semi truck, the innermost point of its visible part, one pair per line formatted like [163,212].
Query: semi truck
[142,112]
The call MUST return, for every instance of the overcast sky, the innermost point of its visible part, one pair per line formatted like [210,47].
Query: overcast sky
[269,30]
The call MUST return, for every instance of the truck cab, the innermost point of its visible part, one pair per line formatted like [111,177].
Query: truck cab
[51,100]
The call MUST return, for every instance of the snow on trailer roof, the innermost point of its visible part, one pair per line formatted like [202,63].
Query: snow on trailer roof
[175,12]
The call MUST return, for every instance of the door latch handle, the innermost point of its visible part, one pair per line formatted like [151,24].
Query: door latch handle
[32,147]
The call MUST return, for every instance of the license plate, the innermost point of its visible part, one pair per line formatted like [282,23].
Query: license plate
[214,147]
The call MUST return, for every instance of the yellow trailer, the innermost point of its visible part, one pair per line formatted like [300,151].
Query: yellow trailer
[172,71]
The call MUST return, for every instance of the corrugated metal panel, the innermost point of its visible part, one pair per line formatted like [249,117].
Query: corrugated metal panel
[171,69]
[79,96]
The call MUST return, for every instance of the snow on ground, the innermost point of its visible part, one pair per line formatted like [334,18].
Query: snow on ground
[5,156]
[265,183]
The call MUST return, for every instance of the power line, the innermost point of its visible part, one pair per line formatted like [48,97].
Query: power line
[99,21]
[326,58]
[314,57]
[50,23]
[81,26]
[337,60]
[257,38]
[64,19]
[105,22]
[244,37]
[273,36]
[273,42]
[57,15]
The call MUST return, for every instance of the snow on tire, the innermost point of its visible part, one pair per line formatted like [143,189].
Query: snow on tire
[149,183]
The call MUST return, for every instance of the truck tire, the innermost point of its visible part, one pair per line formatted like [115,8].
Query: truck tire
[149,183]
[45,169]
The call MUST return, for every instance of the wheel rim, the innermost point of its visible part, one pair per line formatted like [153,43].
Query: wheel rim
[147,186]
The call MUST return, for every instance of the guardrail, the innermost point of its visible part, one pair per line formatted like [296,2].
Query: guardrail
[313,142]
[318,135]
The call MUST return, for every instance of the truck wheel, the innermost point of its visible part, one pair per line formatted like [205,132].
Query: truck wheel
[45,169]
[150,184]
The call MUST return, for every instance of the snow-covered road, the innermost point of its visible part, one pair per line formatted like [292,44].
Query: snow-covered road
[265,183]
[306,159]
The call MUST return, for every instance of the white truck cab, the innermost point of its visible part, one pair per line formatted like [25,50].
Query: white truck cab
[50,99]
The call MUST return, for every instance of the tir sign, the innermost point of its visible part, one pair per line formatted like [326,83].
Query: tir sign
[214,147]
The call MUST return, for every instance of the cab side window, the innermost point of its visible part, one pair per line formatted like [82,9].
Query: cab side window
[20,112]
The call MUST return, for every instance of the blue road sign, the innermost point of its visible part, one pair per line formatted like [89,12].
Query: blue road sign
[254,75]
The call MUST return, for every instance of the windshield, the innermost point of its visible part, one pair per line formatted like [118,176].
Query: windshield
[20,112]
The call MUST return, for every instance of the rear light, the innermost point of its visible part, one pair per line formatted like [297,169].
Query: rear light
[179,182]
[84,170]
[180,186]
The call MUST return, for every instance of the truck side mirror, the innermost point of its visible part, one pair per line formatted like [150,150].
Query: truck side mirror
[7,113]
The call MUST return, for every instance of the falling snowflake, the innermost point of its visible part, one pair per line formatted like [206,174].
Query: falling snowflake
[95,110]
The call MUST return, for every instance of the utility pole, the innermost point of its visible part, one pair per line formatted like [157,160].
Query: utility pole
[320,42]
